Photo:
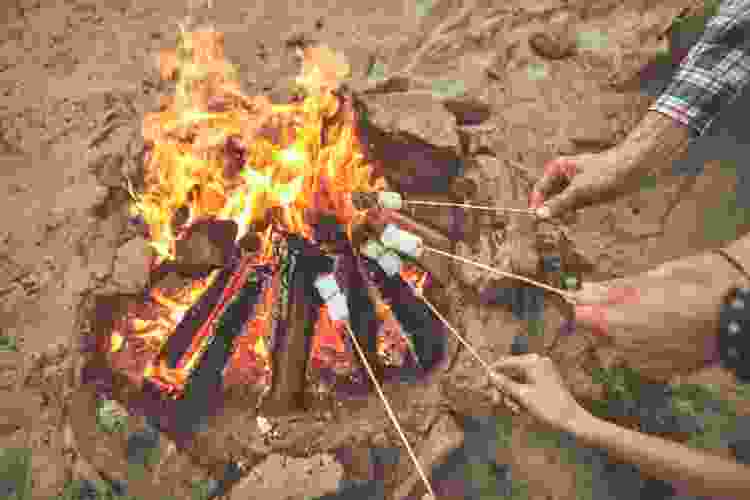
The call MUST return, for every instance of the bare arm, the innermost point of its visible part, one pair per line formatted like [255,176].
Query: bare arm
[703,473]
[654,143]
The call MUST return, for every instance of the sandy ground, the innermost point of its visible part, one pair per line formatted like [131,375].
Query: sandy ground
[76,78]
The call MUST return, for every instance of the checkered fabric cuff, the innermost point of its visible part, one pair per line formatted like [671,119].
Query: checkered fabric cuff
[713,73]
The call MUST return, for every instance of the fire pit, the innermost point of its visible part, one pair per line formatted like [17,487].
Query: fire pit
[260,269]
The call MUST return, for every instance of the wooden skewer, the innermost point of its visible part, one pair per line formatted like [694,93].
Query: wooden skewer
[458,336]
[492,373]
[569,297]
[526,211]
[392,415]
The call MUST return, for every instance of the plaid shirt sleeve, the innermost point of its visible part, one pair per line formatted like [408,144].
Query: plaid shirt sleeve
[714,71]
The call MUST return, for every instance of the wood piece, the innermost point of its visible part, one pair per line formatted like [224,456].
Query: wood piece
[290,352]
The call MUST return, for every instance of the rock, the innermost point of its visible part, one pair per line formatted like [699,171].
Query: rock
[520,246]
[417,114]
[16,411]
[140,443]
[357,463]
[477,139]
[520,345]
[108,169]
[132,265]
[304,477]
[206,246]
[470,275]
[445,436]
[468,110]
[81,197]
[553,44]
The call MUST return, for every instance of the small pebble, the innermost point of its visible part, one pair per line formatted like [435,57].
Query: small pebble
[552,263]
[741,450]
[520,345]
[552,45]
[733,328]
[120,488]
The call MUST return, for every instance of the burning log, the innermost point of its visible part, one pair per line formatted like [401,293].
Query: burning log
[179,341]
[210,346]
[292,316]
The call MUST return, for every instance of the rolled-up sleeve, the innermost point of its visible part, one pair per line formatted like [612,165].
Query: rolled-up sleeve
[714,71]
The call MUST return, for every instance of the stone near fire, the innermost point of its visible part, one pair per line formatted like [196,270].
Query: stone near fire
[414,113]
[132,264]
[206,247]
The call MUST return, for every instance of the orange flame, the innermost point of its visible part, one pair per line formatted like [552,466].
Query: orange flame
[300,156]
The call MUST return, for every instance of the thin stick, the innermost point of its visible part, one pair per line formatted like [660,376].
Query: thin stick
[527,211]
[466,344]
[392,415]
[509,403]
[562,293]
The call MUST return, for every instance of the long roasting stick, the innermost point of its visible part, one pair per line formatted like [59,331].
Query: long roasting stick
[458,336]
[570,298]
[526,211]
[492,373]
[392,415]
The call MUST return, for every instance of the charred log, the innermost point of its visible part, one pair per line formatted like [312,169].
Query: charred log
[180,340]
[294,316]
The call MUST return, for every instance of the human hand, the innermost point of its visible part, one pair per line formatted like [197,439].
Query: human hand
[573,182]
[534,383]
[664,321]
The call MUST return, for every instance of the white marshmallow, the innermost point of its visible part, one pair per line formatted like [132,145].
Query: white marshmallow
[390,200]
[402,241]
[372,249]
[337,307]
[327,286]
[390,263]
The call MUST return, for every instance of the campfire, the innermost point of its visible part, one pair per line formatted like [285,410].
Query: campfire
[265,260]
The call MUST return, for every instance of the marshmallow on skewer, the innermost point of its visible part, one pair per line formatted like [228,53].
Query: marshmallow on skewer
[390,200]
[389,261]
[402,241]
[333,297]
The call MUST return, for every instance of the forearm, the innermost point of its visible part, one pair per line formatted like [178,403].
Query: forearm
[654,143]
[703,473]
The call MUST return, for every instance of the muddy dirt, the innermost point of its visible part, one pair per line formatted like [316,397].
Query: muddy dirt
[77,78]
